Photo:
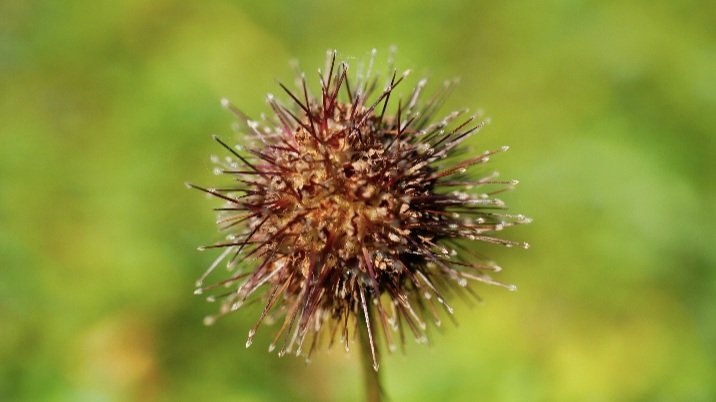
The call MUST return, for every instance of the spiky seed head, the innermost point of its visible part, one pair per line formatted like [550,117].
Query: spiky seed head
[345,210]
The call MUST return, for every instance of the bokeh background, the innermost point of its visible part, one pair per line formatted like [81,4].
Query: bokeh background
[610,108]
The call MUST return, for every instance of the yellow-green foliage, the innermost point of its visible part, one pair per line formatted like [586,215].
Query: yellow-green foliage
[106,108]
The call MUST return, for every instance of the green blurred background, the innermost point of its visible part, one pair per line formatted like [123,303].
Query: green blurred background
[610,108]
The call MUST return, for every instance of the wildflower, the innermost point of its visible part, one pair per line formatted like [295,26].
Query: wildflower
[347,210]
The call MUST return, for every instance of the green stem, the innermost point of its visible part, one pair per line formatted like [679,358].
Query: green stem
[371,377]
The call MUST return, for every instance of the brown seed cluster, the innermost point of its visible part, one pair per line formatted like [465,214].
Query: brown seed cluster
[349,211]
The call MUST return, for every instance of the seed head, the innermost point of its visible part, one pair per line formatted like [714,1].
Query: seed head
[343,209]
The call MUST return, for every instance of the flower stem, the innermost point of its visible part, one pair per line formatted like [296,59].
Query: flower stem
[371,377]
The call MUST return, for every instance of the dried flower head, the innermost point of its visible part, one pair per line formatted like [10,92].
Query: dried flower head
[353,212]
